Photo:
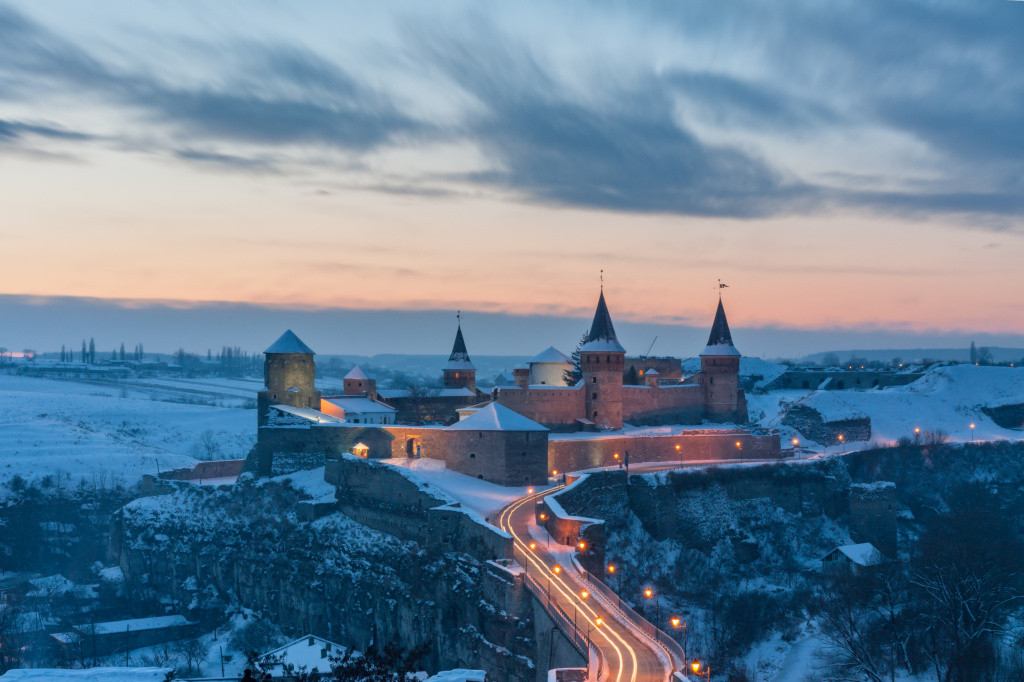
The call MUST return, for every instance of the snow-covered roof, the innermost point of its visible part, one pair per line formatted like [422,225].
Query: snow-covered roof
[458,675]
[357,373]
[136,624]
[720,339]
[652,373]
[359,405]
[495,417]
[392,393]
[289,343]
[550,355]
[88,675]
[50,585]
[863,554]
[310,651]
[602,336]
[308,413]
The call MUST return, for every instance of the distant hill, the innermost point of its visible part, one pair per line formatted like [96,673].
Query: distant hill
[908,355]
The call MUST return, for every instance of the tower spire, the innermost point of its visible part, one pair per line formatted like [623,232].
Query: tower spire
[602,332]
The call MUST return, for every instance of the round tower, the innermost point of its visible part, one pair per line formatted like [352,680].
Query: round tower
[460,371]
[720,373]
[602,358]
[288,375]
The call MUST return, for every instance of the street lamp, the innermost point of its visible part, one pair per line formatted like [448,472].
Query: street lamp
[840,440]
[529,491]
[558,569]
[657,609]
[680,451]
[584,594]
[796,442]
[676,623]
[533,545]
[972,433]
[583,546]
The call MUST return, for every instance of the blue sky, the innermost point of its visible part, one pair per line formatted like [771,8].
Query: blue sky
[854,165]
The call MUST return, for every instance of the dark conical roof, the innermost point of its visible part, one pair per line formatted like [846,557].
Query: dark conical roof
[289,343]
[602,332]
[720,340]
[459,359]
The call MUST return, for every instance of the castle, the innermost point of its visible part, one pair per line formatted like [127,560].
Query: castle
[507,439]
[600,398]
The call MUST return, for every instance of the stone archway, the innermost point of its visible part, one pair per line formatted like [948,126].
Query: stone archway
[412,446]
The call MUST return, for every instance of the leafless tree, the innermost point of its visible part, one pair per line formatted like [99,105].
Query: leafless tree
[193,652]
[847,624]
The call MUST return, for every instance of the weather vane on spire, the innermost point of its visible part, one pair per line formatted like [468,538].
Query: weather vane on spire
[458,316]
[602,280]
[720,287]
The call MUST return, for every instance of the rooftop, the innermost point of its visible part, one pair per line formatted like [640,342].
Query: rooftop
[289,343]
[552,355]
[357,373]
[720,340]
[494,417]
[359,404]
[602,336]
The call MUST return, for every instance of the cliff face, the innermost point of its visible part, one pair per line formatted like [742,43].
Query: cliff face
[248,545]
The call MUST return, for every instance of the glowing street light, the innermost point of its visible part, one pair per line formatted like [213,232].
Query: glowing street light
[611,568]
[972,433]
[584,594]
[529,491]
[543,517]
[796,442]
[599,621]
[554,472]
[675,622]
[648,592]
[582,546]
[680,451]
[558,569]
[696,667]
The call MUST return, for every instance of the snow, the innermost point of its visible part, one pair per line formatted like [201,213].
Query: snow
[311,482]
[315,657]
[105,431]
[391,393]
[357,373]
[308,414]
[495,417]
[863,554]
[720,349]
[289,343]
[137,624]
[360,405]
[550,355]
[603,346]
[945,399]
[88,675]
[459,675]
[483,497]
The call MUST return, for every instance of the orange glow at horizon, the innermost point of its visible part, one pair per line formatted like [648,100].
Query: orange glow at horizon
[129,229]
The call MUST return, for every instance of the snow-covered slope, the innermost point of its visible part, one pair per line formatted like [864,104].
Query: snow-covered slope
[101,431]
[947,399]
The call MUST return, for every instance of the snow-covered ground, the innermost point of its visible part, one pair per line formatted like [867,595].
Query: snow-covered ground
[485,498]
[105,431]
[947,399]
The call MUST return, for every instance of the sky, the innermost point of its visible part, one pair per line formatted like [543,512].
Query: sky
[850,166]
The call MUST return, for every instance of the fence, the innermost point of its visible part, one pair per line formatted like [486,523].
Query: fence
[669,645]
[579,639]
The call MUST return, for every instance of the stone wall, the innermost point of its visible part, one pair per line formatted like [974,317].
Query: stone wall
[650,405]
[1006,416]
[547,405]
[223,468]
[840,379]
[873,509]
[809,422]
[575,453]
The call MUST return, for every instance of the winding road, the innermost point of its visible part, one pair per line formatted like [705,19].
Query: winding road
[628,654]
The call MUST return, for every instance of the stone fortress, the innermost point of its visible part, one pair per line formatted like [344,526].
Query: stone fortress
[520,434]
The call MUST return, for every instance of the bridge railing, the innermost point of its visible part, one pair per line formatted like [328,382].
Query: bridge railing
[669,645]
[578,637]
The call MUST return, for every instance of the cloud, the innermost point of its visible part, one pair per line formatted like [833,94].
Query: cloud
[229,161]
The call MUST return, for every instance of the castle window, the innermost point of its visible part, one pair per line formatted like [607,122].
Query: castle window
[595,415]
[597,359]
[472,455]
[481,434]
[456,375]
[712,379]
[594,396]
[608,359]
[479,475]
[593,380]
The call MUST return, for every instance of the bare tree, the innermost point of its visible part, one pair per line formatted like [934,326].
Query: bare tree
[846,625]
[193,652]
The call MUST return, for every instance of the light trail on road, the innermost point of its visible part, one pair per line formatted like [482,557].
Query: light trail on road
[571,594]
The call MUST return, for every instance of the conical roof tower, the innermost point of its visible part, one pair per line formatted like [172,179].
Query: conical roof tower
[720,340]
[602,338]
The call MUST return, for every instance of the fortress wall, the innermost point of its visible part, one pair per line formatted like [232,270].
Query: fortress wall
[222,468]
[670,404]
[394,501]
[543,405]
[864,379]
[573,454]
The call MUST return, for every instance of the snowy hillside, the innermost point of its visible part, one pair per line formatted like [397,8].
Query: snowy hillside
[103,431]
[947,399]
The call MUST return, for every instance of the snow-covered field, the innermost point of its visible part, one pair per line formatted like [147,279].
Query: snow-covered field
[947,399]
[104,432]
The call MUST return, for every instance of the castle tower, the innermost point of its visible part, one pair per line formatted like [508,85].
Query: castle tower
[720,373]
[459,372]
[288,372]
[358,382]
[602,358]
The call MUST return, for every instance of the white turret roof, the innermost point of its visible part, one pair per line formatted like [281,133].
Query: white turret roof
[494,417]
[357,373]
[551,355]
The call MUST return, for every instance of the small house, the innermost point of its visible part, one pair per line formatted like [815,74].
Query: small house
[853,559]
